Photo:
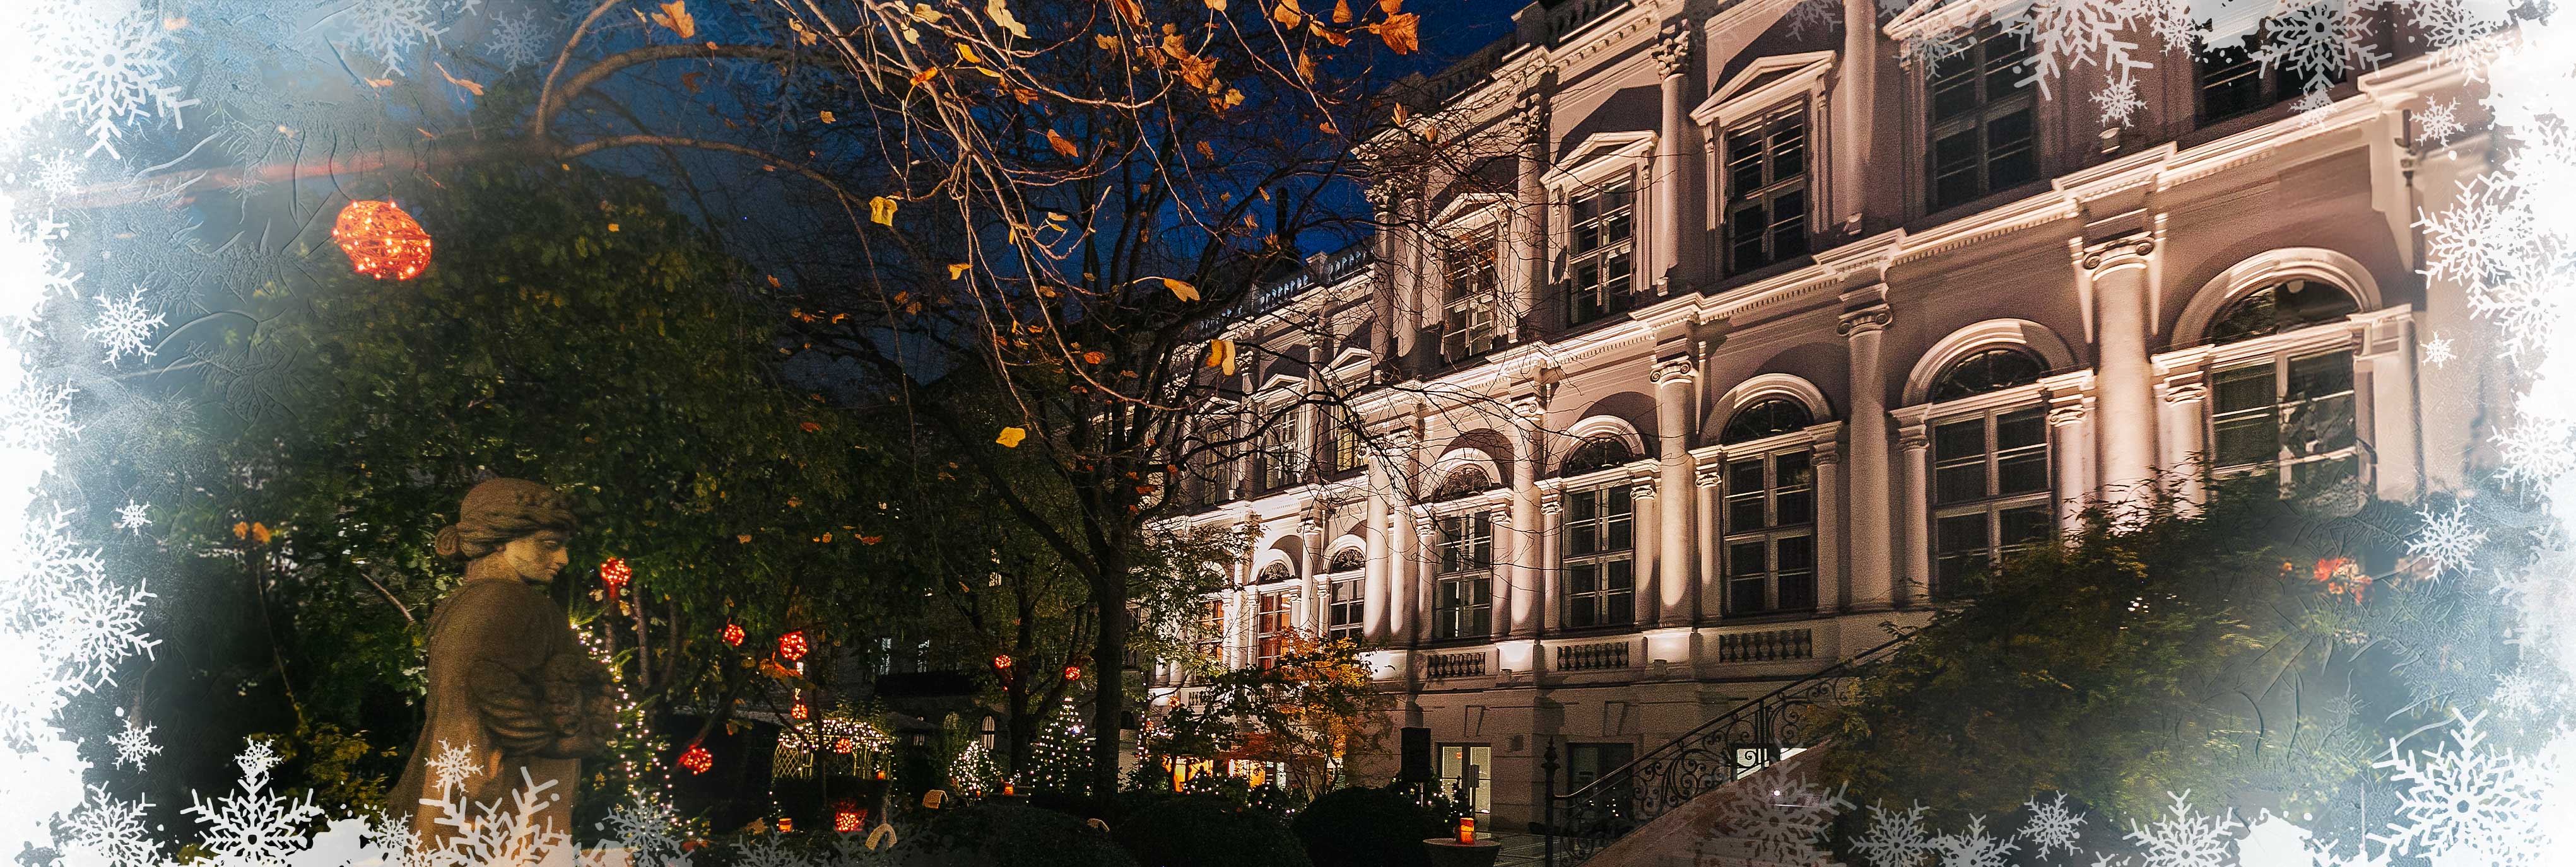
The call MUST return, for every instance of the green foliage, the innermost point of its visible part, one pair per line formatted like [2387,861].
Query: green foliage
[1060,761]
[1008,835]
[2152,652]
[1208,831]
[1363,826]
[335,767]
[1316,705]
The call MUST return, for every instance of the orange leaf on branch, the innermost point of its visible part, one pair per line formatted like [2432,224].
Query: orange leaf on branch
[675,17]
[1402,32]
[1061,146]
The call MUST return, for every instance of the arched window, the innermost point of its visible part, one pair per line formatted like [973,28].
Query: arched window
[2285,306]
[1777,415]
[1987,370]
[1273,572]
[1465,480]
[1596,452]
[1343,606]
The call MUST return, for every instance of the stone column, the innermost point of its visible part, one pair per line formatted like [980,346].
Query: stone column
[1503,580]
[1528,218]
[2384,405]
[1551,528]
[1854,101]
[1872,572]
[2124,385]
[1404,548]
[1374,577]
[1829,527]
[1709,508]
[2069,447]
[1642,521]
[1673,579]
[1916,581]
[1310,610]
[1412,258]
[2186,433]
[1525,565]
[1386,202]
[1676,168]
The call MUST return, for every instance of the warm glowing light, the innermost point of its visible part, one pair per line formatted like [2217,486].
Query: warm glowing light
[1003,661]
[697,760]
[786,824]
[844,746]
[847,818]
[615,573]
[1466,830]
[800,711]
[733,634]
[792,647]
[381,240]
[1073,672]
[1007,789]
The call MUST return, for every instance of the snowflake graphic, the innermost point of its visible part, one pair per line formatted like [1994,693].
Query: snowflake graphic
[2052,826]
[2313,106]
[60,175]
[2119,101]
[390,30]
[1973,847]
[2439,122]
[2452,27]
[2183,837]
[453,766]
[125,326]
[253,826]
[133,516]
[2520,695]
[2319,41]
[2447,541]
[1780,821]
[2066,35]
[1894,839]
[2438,351]
[117,68]
[134,745]
[108,831]
[2463,804]
[516,42]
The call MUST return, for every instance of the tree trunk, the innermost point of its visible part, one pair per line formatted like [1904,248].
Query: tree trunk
[1108,661]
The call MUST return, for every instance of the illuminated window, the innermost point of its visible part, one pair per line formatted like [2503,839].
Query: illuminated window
[1983,119]
[1766,190]
[1600,557]
[1602,260]
[1462,599]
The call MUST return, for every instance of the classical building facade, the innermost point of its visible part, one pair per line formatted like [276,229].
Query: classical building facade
[1752,337]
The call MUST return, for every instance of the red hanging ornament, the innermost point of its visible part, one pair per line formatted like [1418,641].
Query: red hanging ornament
[733,634]
[615,573]
[381,240]
[847,818]
[1002,661]
[844,746]
[799,711]
[792,647]
[1073,672]
[697,759]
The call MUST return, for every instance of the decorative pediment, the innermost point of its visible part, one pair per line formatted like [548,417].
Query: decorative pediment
[1765,83]
[1602,153]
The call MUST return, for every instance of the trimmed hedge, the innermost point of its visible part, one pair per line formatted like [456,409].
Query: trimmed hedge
[1366,827]
[1206,831]
[1008,835]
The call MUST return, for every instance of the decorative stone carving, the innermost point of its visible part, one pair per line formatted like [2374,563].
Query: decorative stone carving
[1532,118]
[1673,47]
[509,683]
[2116,251]
[1914,438]
[2185,392]
[1829,453]
[1678,368]
[1864,320]
[2066,415]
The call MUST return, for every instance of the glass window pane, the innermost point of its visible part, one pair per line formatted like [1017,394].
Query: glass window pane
[2022,473]
[2027,427]
[1797,577]
[2251,439]
[1959,439]
[2025,525]
[2318,376]
[2242,388]
[1959,484]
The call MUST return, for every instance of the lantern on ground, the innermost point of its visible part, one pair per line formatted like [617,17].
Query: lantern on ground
[381,240]
[1466,830]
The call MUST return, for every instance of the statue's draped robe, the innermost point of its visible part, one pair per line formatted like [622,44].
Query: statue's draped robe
[507,677]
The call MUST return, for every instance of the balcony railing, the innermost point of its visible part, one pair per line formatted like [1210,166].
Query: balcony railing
[1447,665]
[1777,645]
[1592,657]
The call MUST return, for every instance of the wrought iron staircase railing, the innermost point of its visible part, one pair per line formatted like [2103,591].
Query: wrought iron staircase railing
[1744,739]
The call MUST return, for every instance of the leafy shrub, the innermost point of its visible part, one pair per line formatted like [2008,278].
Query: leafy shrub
[1206,831]
[1009,835]
[1366,827]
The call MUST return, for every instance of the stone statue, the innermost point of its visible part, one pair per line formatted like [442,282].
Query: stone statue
[508,681]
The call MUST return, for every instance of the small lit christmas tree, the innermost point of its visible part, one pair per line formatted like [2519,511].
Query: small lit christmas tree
[1061,757]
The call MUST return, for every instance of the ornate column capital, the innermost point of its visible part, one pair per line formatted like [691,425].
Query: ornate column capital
[2186,392]
[2067,414]
[1709,476]
[2126,250]
[1550,502]
[1673,48]
[1531,114]
[1829,453]
[1867,320]
[1678,369]
[1529,407]
[1642,490]
[1914,437]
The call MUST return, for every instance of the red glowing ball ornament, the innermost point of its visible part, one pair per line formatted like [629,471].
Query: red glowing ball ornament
[792,646]
[697,759]
[614,572]
[847,818]
[1002,662]
[1073,672]
[732,634]
[381,240]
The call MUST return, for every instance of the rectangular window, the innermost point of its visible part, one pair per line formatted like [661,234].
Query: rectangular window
[1345,437]
[1587,762]
[1343,617]
[1991,491]
[1470,323]
[1270,628]
[1210,479]
[2236,80]
[1982,119]
[1275,450]
[1462,600]
[1208,640]
[1601,262]
[2289,414]
[1600,558]
[1467,773]
[1769,520]
[1766,190]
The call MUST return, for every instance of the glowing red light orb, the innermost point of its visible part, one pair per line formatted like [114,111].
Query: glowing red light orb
[733,634]
[792,647]
[786,825]
[799,711]
[1002,661]
[848,818]
[697,760]
[1073,672]
[381,240]
[844,746]
[615,573]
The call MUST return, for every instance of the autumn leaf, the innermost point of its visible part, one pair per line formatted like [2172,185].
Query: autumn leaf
[1105,41]
[923,13]
[1218,5]
[871,540]
[828,118]
[803,36]
[967,53]
[470,87]
[1011,437]
[259,533]
[1287,14]
[1001,15]
[690,80]
[1305,67]
[743,539]
[1062,146]
[958,270]
[1341,11]
[1221,355]
[920,78]
[1402,33]
[881,210]
[1390,6]
[1206,151]
[1133,11]
[380,82]
[1095,357]
[1181,290]
[809,427]
[1233,97]
[241,529]
[675,16]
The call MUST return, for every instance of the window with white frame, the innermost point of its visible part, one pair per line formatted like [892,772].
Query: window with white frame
[1462,597]
[1207,640]
[2290,411]
[1275,452]
[1601,257]
[1766,189]
[1210,476]
[1471,319]
[1344,609]
[1270,627]
[1769,516]
[1984,118]
[1600,568]
[1991,491]
[1344,437]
